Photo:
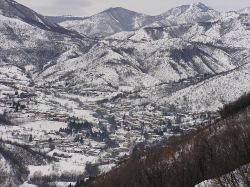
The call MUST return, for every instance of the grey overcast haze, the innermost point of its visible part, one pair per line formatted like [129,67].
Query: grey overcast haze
[151,7]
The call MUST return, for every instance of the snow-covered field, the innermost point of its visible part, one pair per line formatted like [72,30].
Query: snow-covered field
[44,125]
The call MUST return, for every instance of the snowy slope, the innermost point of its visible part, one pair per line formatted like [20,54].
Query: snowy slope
[137,65]
[108,22]
[25,44]
[14,160]
[155,54]
[212,94]
[195,12]
[231,30]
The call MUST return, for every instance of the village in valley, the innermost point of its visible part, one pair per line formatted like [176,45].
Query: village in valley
[98,128]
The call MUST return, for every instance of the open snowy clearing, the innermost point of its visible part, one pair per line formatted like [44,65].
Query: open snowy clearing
[44,125]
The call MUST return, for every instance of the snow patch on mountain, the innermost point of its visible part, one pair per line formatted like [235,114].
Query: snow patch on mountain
[212,94]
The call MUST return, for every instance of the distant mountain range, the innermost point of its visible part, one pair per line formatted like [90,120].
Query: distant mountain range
[143,52]
[118,19]
[108,22]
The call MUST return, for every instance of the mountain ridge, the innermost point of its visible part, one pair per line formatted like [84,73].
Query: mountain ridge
[188,14]
[108,22]
[12,9]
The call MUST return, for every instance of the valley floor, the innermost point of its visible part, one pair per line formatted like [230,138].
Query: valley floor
[98,130]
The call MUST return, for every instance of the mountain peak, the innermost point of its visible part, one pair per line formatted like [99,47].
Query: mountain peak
[116,9]
[195,12]
[120,10]
[200,5]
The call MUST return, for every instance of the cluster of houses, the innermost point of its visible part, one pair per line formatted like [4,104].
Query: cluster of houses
[120,128]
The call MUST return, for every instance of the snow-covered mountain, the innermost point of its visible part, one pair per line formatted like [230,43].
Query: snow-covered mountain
[25,44]
[108,22]
[213,93]
[195,12]
[119,19]
[154,55]
[30,40]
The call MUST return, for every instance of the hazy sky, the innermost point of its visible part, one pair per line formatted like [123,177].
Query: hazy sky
[151,7]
